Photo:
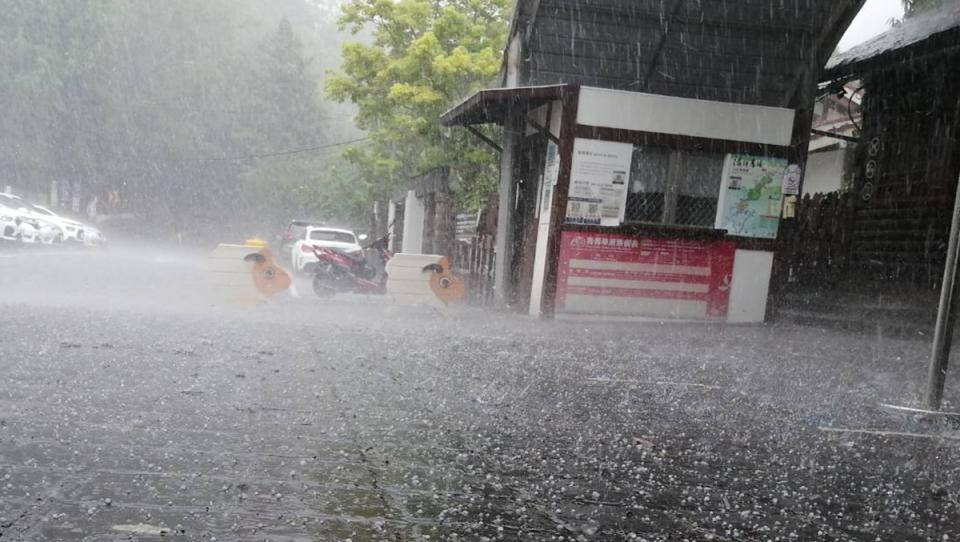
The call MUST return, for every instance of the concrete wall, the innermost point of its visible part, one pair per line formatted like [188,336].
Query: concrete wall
[413,215]
[750,286]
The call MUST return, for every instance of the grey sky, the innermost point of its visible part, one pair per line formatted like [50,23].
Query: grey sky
[873,19]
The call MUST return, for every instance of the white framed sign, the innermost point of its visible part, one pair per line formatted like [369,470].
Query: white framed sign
[599,179]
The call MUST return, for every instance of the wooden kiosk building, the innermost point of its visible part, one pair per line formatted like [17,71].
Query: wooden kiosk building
[646,153]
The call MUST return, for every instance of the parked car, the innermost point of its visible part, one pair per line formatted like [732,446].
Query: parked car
[295,232]
[93,237]
[73,231]
[302,255]
[34,227]
[8,224]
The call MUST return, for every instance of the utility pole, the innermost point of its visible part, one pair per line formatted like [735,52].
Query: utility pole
[946,313]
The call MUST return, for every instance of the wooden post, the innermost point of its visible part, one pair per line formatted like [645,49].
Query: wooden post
[512,129]
[558,215]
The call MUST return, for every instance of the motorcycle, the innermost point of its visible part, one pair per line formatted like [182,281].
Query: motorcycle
[338,271]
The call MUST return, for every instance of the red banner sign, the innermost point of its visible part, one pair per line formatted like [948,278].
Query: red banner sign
[602,273]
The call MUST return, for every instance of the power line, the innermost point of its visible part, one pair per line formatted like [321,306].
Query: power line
[283,153]
[289,152]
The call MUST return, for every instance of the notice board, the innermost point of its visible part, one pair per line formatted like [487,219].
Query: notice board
[599,176]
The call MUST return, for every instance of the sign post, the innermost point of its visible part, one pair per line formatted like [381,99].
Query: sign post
[946,314]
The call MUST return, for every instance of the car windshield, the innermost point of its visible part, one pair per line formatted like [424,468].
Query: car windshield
[297,230]
[43,211]
[11,202]
[332,235]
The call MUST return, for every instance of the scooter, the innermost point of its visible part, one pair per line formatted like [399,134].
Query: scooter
[342,272]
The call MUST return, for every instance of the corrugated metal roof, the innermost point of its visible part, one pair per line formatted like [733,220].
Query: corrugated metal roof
[743,51]
[911,31]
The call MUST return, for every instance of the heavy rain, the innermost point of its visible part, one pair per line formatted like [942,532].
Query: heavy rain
[409,270]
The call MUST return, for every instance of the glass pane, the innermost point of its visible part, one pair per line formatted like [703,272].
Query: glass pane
[648,182]
[643,207]
[699,180]
[334,236]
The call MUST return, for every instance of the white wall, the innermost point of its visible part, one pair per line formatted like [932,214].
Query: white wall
[543,243]
[824,172]
[513,62]
[413,215]
[750,286]
[391,217]
[684,116]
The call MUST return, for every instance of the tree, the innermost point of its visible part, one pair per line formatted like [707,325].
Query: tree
[47,52]
[425,56]
[912,7]
[285,115]
[176,106]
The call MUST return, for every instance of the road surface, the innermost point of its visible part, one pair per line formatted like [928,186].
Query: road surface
[134,407]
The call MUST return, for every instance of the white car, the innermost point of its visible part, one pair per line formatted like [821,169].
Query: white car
[8,224]
[92,237]
[33,227]
[302,255]
[72,230]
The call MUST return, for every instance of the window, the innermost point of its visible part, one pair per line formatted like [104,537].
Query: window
[675,187]
[43,211]
[298,228]
[333,236]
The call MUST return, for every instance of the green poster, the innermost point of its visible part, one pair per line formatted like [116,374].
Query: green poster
[751,195]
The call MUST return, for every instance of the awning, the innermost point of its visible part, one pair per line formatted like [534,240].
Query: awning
[490,106]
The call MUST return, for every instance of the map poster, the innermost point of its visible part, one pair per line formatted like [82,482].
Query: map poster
[599,178]
[751,196]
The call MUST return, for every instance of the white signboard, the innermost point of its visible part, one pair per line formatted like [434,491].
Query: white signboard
[791,180]
[551,172]
[599,177]
[551,166]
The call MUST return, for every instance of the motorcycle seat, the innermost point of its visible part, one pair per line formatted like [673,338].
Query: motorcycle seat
[356,258]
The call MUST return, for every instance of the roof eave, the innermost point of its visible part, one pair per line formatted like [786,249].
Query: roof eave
[489,106]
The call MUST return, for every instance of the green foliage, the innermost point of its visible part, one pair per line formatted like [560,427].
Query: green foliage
[424,57]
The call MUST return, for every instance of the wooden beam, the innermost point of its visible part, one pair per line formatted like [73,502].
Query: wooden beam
[558,214]
[480,135]
[542,130]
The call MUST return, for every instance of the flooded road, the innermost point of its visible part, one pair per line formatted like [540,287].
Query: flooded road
[133,406]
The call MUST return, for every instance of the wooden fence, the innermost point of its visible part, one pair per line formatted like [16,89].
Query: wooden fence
[473,261]
[815,252]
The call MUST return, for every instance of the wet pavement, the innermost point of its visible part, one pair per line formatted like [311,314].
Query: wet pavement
[133,407]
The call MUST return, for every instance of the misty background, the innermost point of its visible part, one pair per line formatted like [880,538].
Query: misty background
[204,121]
[194,117]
